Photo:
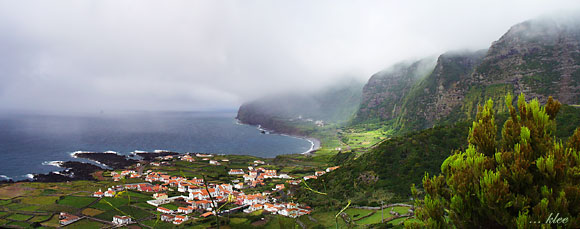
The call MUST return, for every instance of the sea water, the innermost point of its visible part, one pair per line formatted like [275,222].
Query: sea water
[31,143]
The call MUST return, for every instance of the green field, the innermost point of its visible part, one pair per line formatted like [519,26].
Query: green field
[19,217]
[39,200]
[85,224]
[76,201]
[110,203]
[134,212]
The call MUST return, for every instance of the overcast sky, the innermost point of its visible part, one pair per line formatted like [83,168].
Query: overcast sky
[198,55]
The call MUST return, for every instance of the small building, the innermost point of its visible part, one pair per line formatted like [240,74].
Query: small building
[66,218]
[167,218]
[239,185]
[179,219]
[164,210]
[278,187]
[98,193]
[330,169]
[236,172]
[121,220]
[160,196]
[110,193]
[310,177]
[319,173]
[184,210]
[214,162]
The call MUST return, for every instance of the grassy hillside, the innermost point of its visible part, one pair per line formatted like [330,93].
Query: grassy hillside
[387,171]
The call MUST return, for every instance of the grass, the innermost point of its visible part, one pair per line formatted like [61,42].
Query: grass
[356,213]
[39,200]
[359,139]
[57,208]
[76,201]
[134,212]
[375,218]
[277,221]
[400,210]
[158,224]
[40,218]
[92,211]
[19,224]
[170,206]
[85,223]
[327,219]
[105,203]
[399,221]
[19,217]
[53,222]
[145,205]
[5,202]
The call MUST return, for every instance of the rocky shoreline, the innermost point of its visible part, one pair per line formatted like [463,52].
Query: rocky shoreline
[109,159]
[74,170]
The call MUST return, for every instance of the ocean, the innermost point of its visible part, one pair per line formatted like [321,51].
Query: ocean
[28,143]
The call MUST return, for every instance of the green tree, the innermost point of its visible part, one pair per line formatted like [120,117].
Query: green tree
[514,182]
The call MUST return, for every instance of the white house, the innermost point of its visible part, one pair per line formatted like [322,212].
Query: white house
[164,210]
[236,172]
[110,193]
[179,219]
[202,204]
[239,185]
[98,193]
[186,210]
[121,220]
[167,217]
[253,207]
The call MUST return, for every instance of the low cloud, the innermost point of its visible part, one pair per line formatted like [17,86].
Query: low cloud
[199,55]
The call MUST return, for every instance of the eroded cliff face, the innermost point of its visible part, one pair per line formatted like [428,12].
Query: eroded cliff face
[382,96]
[540,58]
[441,92]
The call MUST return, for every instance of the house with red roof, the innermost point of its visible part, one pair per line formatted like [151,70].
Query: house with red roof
[98,193]
[121,220]
[185,210]
[66,218]
[164,210]
[236,172]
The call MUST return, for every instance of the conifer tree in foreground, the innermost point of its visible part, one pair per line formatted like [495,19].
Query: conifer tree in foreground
[522,180]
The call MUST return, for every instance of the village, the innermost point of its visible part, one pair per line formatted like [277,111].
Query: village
[178,199]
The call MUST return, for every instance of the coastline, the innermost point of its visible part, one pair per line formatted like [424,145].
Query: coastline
[314,142]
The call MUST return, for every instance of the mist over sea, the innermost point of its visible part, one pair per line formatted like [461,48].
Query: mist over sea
[29,142]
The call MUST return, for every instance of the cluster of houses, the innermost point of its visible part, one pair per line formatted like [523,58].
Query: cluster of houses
[320,173]
[109,193]
[285,209]
[256,176]
[204,198]
[123,174]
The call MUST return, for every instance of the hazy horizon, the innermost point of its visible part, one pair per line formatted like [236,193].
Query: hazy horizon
[88,56]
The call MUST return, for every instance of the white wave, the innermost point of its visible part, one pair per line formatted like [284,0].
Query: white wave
[5,177]
[74,154]
[110,151]
[30,176]
[160,151]
[53,163]
[138,151]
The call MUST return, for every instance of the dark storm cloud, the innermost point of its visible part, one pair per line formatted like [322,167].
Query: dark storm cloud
[184,55]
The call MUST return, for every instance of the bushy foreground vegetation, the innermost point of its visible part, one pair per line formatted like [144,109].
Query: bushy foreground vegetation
[526,179]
